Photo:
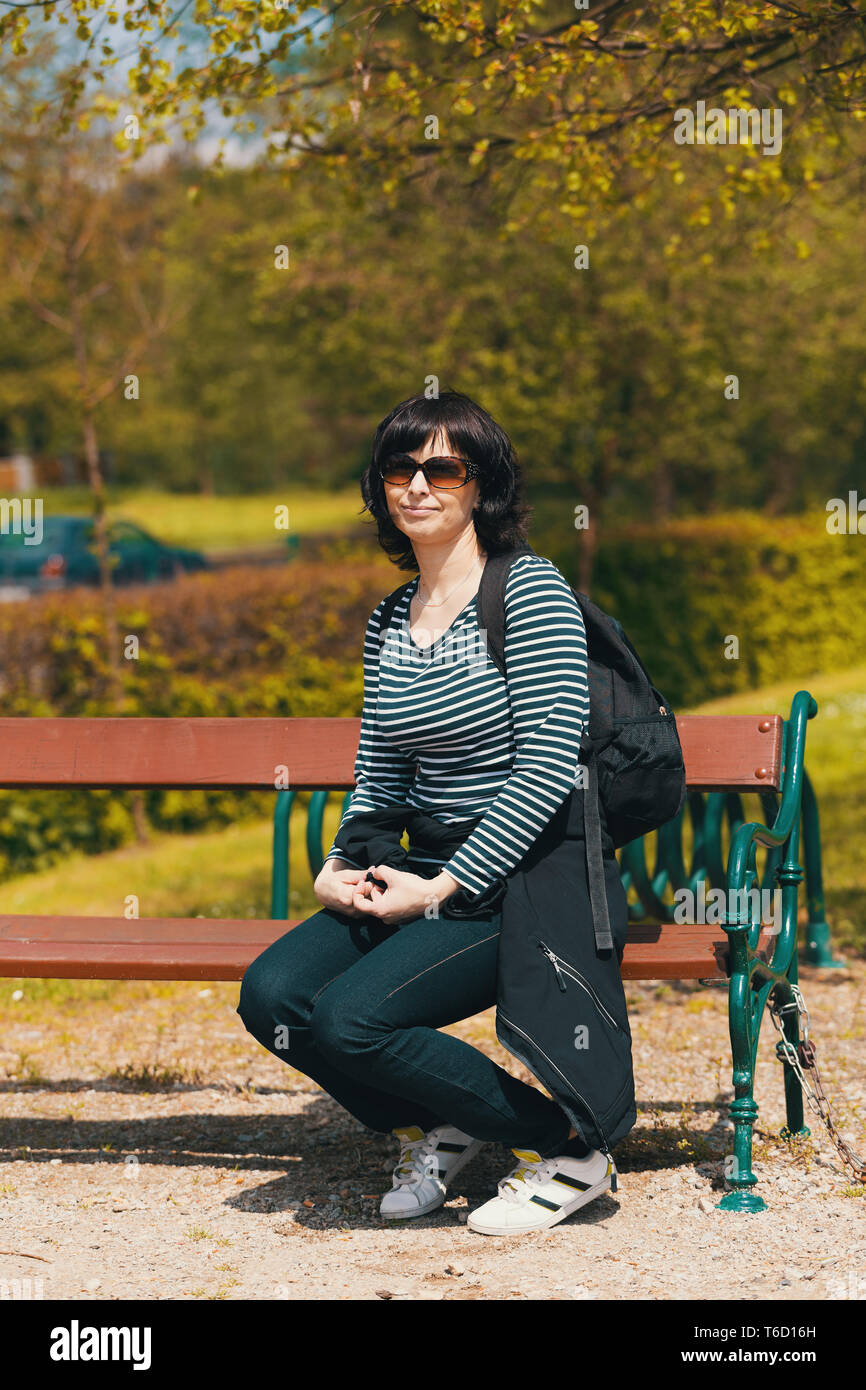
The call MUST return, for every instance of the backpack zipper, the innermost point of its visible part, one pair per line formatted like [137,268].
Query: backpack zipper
[604,1144]
[559,965]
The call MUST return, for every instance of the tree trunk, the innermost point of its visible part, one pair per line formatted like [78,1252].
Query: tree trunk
[783,485]
[662,493]
[100,528]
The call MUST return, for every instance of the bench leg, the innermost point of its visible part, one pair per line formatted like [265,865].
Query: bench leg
[819,949]
[793,1090]
[744,1112]
[790,876]
[744,1022]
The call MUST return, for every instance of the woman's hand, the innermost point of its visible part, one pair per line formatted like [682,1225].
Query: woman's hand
[406,896]
[337,885]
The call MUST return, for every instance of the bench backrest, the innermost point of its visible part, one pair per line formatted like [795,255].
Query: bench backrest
[721,752]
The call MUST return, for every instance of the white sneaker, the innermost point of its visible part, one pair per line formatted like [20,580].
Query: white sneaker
[541,1191]
[427,1164]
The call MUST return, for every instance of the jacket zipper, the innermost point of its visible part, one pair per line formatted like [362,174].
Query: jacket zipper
[559,965]
[573,1089]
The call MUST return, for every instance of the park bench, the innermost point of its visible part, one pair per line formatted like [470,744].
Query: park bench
[725,757]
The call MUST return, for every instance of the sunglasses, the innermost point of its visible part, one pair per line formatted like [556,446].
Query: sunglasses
[400,469]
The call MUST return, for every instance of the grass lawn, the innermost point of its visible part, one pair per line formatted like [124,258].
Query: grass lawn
[226,873]
[213,523]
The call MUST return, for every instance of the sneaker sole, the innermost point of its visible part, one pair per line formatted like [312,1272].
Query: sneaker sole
[546,1222]
[466,1157]
[410,1215]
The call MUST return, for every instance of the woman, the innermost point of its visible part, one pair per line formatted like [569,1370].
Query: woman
[355,996]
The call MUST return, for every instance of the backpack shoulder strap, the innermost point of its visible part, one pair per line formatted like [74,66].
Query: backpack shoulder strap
[490,607]
[491,615]
[388,609]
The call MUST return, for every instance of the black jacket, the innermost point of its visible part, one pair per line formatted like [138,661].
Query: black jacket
[560,1004]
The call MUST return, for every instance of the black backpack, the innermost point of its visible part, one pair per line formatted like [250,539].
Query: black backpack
[631,750]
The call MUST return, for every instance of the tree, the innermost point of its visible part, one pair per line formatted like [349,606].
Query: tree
[81,259]
[561,113]
[79,269]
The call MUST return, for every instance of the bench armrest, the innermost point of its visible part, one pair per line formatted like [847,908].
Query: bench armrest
[784,832]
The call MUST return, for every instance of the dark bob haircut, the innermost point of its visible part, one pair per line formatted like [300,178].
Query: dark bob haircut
[502,514]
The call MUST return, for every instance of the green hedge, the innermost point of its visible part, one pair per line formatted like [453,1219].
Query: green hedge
[793,594]
[287,642]
[254,642]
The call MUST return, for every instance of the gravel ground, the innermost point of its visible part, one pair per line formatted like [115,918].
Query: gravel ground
[150,1149]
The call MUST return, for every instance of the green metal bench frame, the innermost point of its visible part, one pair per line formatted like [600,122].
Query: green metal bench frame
[752,979]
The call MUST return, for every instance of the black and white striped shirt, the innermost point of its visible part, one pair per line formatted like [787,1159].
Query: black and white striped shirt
[440,730]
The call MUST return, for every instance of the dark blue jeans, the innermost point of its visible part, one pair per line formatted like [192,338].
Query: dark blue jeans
[356,1005]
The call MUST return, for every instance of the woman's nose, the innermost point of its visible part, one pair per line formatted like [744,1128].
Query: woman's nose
[419,482]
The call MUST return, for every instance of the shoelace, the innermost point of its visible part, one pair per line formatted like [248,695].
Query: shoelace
[526,1174]
[411,1151]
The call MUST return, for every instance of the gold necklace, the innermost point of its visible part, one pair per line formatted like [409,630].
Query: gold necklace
[442,602]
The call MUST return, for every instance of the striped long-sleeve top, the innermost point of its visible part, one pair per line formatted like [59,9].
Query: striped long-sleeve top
[441,731]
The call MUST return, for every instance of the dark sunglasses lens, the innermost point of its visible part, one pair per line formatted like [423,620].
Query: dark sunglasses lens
[446,472]
[399,468]
[442,472]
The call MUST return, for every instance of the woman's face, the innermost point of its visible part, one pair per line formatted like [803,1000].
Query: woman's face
[432,514]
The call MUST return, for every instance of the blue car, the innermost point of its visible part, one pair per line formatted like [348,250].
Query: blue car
[65,557]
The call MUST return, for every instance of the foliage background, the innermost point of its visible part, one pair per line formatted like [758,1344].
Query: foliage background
[286,642]
[278,253]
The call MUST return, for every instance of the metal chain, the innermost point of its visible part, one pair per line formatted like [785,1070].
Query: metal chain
[803,1056]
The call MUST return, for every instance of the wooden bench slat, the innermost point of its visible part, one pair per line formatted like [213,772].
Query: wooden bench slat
[217,753]
[721,752]
[196,930]
[179,948]
[121,961]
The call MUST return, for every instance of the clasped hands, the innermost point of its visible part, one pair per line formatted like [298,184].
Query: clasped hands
[405,896]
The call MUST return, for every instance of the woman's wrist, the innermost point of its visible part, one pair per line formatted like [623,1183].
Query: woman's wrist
[443,885]
[335,864]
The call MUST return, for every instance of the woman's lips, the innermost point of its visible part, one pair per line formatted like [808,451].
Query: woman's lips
[417,511]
